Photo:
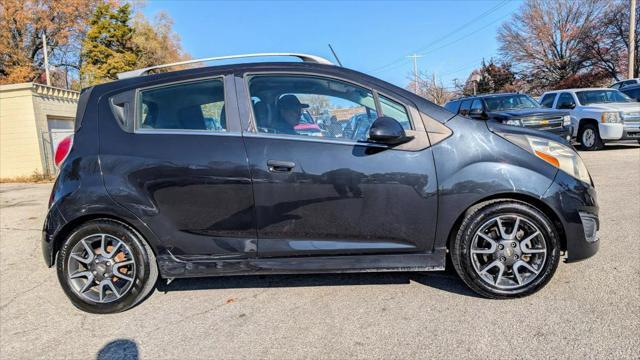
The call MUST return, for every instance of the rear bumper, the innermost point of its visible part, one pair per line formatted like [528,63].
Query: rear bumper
[52,225]
[576,205]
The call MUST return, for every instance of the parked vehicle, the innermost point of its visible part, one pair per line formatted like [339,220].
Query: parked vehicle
[598,115]
[178,199]
[624,83]
[513,109]
[632,91]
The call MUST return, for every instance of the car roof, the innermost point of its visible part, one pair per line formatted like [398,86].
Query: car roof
[577,89]
[436,112]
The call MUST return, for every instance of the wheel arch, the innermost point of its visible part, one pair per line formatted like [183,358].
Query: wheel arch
[586,120]
[528,199]
[68,228]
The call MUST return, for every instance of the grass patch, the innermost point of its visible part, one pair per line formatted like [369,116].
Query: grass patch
[35,178]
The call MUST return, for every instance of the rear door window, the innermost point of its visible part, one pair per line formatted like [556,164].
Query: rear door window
[187,106]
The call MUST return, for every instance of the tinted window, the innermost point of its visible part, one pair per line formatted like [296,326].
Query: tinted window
[464,107]
[547,100]
[452,106]
[510,102]
[191,106]
[601,96]
[565,99]
[628,82]
[616,86]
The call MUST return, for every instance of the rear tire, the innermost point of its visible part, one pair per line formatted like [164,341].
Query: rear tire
[501,264]
[105,267]
[589,137]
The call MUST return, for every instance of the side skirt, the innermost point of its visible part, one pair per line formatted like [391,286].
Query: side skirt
[182,267]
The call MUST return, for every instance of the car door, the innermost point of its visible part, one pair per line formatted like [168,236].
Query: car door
[172,153]
[335,195]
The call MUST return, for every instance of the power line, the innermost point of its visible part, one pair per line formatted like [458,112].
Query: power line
[449,43]
[461,27]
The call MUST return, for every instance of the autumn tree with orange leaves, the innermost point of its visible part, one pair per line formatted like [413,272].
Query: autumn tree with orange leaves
[66,25]
[22,23]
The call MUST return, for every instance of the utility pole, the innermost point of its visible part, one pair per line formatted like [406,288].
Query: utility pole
[632,38]
[46,58]
[415,71]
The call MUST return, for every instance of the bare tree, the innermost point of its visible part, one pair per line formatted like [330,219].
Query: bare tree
[430,88]
[547,38]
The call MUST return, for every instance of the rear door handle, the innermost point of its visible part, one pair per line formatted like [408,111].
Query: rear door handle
[280,166]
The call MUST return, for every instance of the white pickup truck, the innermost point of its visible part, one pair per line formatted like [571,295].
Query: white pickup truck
[598,115]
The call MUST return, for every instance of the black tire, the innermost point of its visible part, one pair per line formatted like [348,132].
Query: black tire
[146,271]
[478,215]
[590,129]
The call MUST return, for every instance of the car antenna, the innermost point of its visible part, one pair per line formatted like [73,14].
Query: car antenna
[335,55]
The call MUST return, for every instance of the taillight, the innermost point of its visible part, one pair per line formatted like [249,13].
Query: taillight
[63,149]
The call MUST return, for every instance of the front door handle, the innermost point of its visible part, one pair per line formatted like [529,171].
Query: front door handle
[280,166]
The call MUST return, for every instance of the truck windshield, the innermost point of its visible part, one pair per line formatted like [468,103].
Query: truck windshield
[510,102]
[601,96]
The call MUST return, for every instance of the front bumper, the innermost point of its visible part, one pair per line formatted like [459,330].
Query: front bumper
[575,203]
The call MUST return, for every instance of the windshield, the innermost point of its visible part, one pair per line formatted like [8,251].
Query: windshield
[510,102]
[601,97]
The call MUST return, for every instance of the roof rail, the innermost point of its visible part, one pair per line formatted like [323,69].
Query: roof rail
[303,57]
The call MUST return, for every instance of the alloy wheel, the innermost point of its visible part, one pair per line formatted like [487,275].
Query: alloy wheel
[101,268]
[508,252]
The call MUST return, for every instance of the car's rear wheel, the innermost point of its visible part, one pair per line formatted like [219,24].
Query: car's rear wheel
[589,137]
[105,266]
[505,249]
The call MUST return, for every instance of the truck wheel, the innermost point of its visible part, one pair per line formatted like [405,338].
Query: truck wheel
[589,138]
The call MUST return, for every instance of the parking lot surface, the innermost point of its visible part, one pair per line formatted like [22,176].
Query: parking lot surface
[590,309]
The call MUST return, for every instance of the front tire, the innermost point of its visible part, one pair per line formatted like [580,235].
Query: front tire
[105,266]
[589,137]
[505,249]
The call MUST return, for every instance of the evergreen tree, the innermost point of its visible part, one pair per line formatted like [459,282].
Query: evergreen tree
[108,48]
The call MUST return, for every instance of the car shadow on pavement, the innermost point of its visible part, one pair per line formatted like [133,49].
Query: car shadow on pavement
[121,349]
[445,281]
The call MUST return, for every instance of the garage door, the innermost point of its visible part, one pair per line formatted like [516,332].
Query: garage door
[59,128]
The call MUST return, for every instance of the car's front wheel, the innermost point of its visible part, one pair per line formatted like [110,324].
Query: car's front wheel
[105,266]
[505,249]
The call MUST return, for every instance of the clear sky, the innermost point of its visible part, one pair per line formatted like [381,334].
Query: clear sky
[370,36]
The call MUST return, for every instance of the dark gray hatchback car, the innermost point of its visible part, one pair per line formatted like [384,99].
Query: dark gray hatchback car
[208,171]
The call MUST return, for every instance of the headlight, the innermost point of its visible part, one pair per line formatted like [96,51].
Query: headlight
[556,154]
[513,122]
[566,120]
[611,117]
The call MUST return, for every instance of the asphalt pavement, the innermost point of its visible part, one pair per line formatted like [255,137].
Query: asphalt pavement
[590,309]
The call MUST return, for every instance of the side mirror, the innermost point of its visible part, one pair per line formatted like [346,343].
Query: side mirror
[388,131]
[566,106]
[477,114]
